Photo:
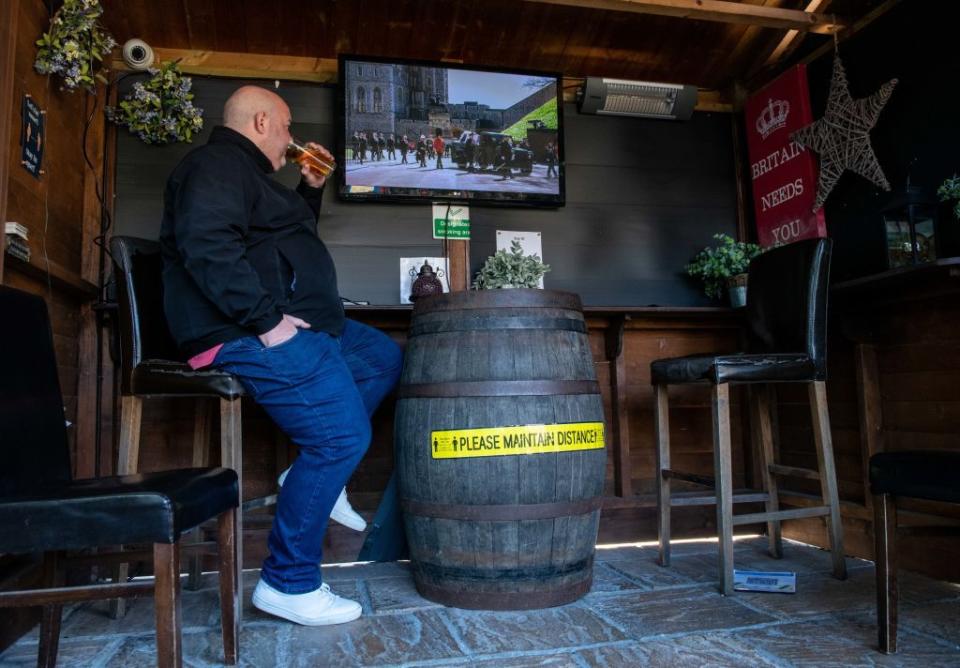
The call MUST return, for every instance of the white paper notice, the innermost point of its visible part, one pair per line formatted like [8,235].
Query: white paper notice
[530,242]
[410,267]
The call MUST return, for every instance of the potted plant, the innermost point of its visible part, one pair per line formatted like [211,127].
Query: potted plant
[950,190]
[725,267]
[511,269]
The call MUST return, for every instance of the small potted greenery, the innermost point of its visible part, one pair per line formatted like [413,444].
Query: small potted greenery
[950,190]
[725,267]
[511,269]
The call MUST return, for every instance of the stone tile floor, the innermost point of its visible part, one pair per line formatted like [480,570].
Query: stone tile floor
[637,614]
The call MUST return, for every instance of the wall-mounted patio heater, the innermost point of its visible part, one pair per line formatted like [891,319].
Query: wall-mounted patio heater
[619,97]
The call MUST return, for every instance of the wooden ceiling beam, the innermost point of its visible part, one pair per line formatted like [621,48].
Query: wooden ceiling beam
[789,43]
[755,80]
[245,65]
[320,70]
[722,11]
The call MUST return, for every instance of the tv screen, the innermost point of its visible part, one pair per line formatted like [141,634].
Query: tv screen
[422,131]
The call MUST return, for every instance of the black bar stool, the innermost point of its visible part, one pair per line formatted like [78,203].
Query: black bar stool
[918,474]
[787,329]
[149,368]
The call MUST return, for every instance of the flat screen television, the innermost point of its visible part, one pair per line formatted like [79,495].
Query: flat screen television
[425,131]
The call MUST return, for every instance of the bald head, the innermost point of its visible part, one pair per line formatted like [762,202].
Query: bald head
[242,107]
[262,117]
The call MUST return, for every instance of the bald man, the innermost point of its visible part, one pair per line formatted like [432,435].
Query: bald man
[250,288]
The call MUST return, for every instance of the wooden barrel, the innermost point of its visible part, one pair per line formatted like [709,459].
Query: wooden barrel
[500,454]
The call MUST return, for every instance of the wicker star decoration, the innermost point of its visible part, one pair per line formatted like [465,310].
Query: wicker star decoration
[842,136]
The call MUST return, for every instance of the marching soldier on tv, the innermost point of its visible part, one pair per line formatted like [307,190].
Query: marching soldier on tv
[422,151]
[380,144]
[391,147]
[469,149]
[438,147]
[363,146]
[551,160]
[404,147]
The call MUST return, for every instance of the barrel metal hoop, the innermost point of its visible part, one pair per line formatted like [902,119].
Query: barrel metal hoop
[525,600]
[497,388]
[484,299]
[488,323]
[502,513]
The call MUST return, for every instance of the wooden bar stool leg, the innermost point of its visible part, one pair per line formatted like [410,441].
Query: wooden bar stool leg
[166,568]
[661,417]
[885,543]
[201,459]
[828,474]
[128,461]
[53,576]
[229,585]
[764,398]
[231,456]
[723,465]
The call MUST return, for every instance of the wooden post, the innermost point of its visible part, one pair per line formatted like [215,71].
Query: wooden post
[229,585]
[459,253]
[9,12]
[723,467]
[870,409]
[762,399]
[828,474]
[231,456]
[166,568]
[661,421]
[621,418]
[885,541]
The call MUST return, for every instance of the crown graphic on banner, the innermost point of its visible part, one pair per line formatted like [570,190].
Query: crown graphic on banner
[773,117]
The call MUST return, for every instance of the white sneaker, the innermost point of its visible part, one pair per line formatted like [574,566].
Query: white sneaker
[319,607]
[342,513]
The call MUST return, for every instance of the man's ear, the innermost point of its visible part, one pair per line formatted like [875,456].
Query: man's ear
[260,122]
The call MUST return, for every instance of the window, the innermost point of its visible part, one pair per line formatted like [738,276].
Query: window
[377,101]
[359,70]
[361,100]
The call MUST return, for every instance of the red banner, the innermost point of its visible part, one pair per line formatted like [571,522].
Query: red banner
[783,172]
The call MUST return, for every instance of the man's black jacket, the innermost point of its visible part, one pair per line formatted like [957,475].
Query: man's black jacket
[240,249]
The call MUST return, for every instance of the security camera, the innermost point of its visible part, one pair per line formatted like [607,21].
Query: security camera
[137,54]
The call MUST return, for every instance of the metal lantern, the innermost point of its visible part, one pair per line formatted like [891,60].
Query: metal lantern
[426,283]
[909,221]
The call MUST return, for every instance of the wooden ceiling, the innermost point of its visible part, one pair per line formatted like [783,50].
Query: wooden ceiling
[709,43]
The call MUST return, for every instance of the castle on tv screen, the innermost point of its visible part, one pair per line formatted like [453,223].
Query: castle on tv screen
[419,127]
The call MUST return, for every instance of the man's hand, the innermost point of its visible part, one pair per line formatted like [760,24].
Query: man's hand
[313,179]
[284,331]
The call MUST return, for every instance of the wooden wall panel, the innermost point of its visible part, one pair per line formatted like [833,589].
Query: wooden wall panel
[914,327]
[629,227]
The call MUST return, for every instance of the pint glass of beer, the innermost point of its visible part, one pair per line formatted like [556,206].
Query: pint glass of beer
[313,160]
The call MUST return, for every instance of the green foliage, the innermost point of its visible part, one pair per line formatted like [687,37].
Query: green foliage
[715,265]
[950,189]
[511,268]
[547,112]
[75,45]
[161,110]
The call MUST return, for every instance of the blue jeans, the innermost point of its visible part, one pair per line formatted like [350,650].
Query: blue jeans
[321,391]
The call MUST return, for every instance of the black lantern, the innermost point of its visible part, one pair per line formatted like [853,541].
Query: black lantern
[909,221]
[426,284]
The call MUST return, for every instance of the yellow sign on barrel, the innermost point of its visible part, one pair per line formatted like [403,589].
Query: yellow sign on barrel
[527,439]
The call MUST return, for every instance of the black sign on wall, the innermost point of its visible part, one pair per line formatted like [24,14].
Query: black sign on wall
[31,136]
